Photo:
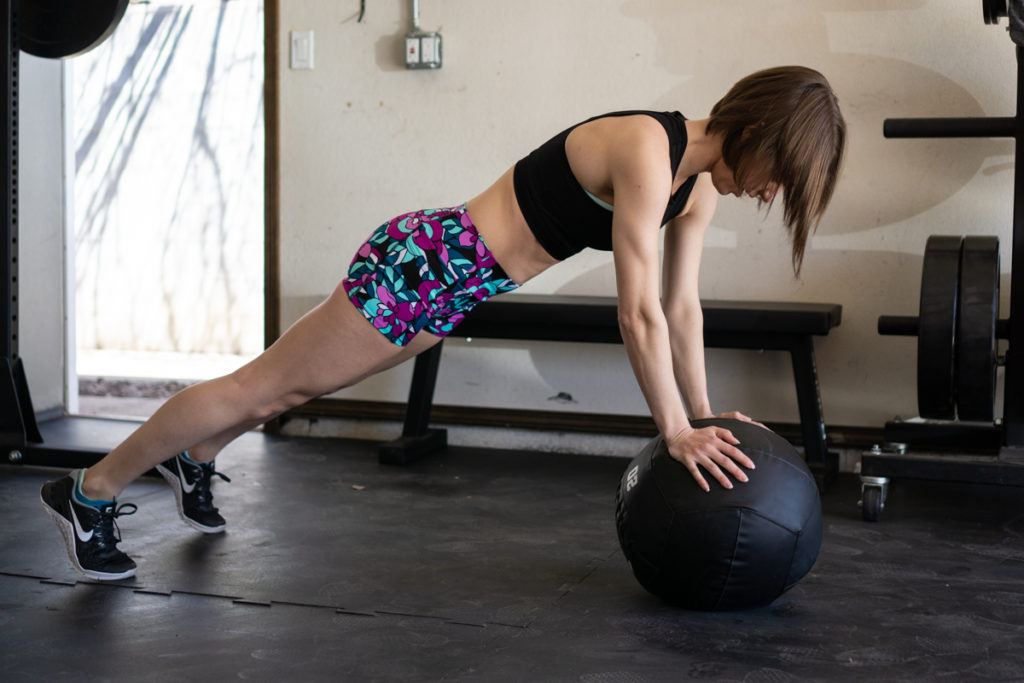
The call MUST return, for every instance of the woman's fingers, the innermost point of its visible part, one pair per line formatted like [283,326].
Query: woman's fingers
[716,472]
[730,450]
[730,464]
[713,450]
[725,435]
[734,415]
[695,473]
[715,463]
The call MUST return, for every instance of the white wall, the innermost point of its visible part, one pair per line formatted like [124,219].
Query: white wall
[42,230]
[362,139]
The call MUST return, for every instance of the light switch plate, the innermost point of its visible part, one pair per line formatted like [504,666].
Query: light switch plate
[302,49]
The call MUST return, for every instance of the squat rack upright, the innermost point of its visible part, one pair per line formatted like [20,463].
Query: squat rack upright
[1008,466]
[50,29]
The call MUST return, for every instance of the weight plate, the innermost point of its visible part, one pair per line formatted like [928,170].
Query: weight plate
[64,28]
[936,336]
[993,9]
[976,329]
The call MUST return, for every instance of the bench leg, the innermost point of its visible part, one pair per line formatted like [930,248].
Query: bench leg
[417,439]
[812,422]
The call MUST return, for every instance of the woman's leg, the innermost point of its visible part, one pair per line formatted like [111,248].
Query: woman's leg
[206,451]
[331,347]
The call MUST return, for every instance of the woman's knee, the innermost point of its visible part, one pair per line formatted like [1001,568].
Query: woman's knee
[281,405]
[260,411]
[255,396]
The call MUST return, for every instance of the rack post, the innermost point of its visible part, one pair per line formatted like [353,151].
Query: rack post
[17,418]
[1013,401]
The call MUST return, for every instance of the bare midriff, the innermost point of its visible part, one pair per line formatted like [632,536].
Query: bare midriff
[497,217]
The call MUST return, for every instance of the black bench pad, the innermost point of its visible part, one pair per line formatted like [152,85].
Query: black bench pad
[595,318]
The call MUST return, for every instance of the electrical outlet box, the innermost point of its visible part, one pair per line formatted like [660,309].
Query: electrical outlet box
[302,49]
[423,50]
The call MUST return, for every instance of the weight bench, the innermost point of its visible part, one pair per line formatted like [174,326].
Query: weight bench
[727,324]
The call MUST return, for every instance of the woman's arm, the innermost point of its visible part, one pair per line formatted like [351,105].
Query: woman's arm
[684,242]
[641,188]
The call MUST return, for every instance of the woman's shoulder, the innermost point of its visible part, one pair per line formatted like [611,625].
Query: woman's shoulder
[632,133]
[627,122]
[641,139]
[623,136]
[703,197]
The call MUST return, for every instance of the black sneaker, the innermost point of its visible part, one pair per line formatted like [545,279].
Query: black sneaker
[91,535]
[191,485]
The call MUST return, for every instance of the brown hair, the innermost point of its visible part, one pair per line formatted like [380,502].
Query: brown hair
[786,119]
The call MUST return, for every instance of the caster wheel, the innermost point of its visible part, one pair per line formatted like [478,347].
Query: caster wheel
[872,503]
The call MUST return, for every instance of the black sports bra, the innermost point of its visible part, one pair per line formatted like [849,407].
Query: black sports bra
[563,216]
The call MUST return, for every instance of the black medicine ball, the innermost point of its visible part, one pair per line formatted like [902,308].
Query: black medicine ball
[724,549]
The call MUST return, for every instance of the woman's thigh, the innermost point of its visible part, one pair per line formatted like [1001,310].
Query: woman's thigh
[331,347]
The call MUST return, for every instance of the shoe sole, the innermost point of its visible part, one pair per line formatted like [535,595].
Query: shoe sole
[175,483]
[68,533]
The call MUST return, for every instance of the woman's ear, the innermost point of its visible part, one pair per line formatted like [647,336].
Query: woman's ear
[749,130]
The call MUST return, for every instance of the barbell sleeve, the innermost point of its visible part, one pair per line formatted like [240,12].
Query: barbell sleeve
[978,127]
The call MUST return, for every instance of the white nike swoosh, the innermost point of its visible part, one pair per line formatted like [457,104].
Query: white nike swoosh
[185,486]
[79,531]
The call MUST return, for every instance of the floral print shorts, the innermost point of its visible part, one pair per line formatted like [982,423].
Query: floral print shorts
[423,271]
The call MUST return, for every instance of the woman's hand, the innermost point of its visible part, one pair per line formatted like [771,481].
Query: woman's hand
[733,415]
[711,448]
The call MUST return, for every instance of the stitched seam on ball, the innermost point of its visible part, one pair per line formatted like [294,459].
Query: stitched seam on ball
[790,465]
[732,557]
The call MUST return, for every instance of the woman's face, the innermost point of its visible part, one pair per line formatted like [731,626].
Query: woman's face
[758,184]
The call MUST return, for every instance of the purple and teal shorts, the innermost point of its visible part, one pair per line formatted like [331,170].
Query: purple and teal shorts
[423,271]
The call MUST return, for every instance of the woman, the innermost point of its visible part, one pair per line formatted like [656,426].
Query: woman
[608,183]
